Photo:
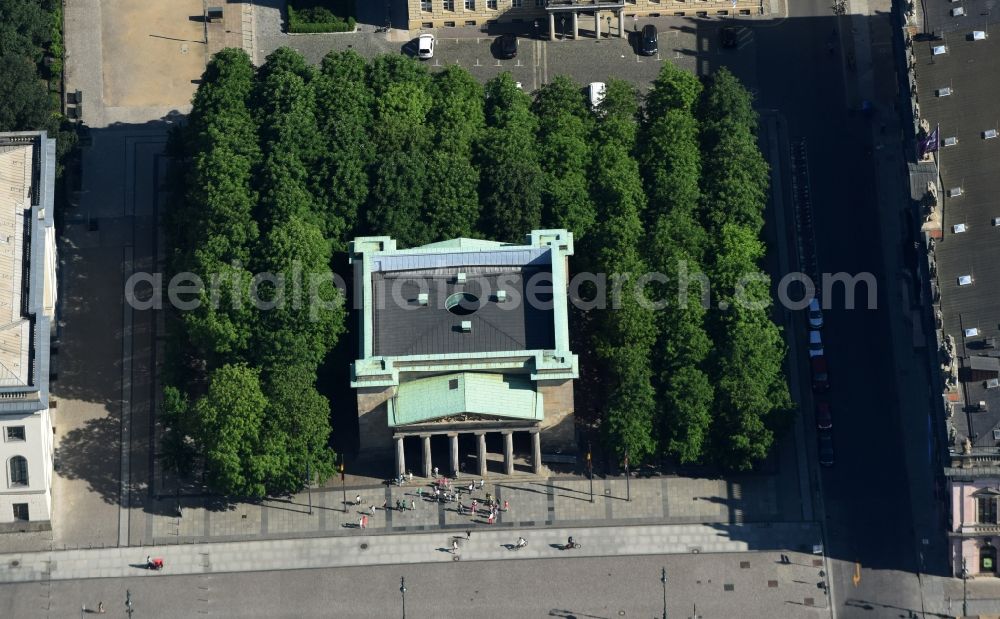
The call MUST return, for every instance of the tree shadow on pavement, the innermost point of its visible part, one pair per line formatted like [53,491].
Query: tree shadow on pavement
[90,453]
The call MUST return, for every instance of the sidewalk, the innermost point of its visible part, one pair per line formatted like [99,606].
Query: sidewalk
[367,549]
[541,502]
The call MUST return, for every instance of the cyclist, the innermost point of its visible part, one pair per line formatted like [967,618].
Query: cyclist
[570,543]
[521,542]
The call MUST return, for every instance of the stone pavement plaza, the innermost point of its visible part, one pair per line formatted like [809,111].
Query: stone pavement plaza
[551,502]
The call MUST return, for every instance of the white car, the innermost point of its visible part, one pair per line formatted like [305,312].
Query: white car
[425,46]
[815,344]
[595,92]
[815,314]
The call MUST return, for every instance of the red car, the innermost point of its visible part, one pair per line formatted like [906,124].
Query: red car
[820,378]
[824,420]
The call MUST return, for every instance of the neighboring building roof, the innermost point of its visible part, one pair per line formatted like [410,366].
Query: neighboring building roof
[988,364]
[972,70]
[938,15]
[454,395]
[16,167]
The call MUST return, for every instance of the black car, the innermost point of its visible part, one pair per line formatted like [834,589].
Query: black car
[825,448]
[730,37]
[648,40]
[506,46]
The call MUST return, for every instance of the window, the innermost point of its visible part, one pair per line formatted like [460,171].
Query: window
[18,471]
[449,5]
[986,510]
[425,5]
[539,3]
[491,4]
[470,5]
[20,511]
[516,4]
[15,433]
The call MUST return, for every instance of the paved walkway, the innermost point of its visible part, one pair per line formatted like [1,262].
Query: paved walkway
[541,502]
[368,549]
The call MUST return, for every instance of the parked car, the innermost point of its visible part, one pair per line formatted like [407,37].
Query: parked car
[595,93]
[425,46]
[815,344]
[815,314]
[824,419]
[825,448]
[820,377]
[729,37]
[506,46]
[648,40]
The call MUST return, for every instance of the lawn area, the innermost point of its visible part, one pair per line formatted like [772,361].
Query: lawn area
[321,15]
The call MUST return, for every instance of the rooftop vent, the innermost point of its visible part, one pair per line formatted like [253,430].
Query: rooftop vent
[460,278]
[466,326]
[964,280]
[954,192]
[982,405]
[944,92]
[996,221]
[939,49]
[957,11]
[422,298]
[958,228]
[992,383]
[952,141]
[501,296]
[996,434]
[989,134]
[972,332]
[978,35]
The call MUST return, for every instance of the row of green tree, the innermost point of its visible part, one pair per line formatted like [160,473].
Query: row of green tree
[31,54]
[285,164]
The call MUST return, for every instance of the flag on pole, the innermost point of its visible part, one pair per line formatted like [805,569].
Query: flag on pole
[930,143]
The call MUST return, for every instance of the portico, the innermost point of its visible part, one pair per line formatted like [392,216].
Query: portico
[563,10]
[454,467]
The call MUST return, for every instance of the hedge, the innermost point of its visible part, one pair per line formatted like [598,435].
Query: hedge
[317,20]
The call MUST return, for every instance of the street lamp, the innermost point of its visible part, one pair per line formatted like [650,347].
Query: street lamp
[343,485]
[402,592]
[128,603]
[628,489]
[663,579]
[965,596]
[562,27]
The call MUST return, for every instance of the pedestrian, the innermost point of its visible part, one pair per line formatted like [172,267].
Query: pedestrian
[371,509]
[364,522]
[461,509]
[149,562]
[475,505]
[100,607]
[482,484]
[357,500]
[468,534]
[435,471]
[409,475]
[454,546]
[470,487]
[413,504]
[506,505]
[437,493]
[385,504]
[489,519]
[361,522]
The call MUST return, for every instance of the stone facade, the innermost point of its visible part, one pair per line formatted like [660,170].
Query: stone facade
[373,423]
[430,14]
[558,427]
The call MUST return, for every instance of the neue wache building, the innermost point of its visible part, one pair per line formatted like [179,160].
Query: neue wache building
[465,363]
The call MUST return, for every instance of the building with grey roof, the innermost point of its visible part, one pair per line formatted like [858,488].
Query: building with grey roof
[958,86]
[27,309]
[464,344]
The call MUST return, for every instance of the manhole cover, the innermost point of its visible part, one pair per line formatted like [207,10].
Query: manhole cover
[773,584]
[364,546]
[817,562]
[808,601]
[728,587]
[15,563]
[744,565]
[184,48]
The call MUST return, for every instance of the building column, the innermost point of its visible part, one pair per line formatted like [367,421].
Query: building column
[597,25]
[453,443]
[576,26]
[621,23]
[481,439]
[536,452]
[552,26]
[426,439]
[400,457]
[508,452]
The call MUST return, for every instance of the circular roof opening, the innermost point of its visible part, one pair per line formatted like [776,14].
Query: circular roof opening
[462,303]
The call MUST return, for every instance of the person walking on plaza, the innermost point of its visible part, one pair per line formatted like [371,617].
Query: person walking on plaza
[357,500]
[371,509]
[454,546]
[471,487]
[475,504]
[506,505]
[489,519]
[100,608]
[413,504]
[361,522]
[364,522]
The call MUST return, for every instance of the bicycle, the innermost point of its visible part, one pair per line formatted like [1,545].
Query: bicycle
[573,546]
[518,546]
